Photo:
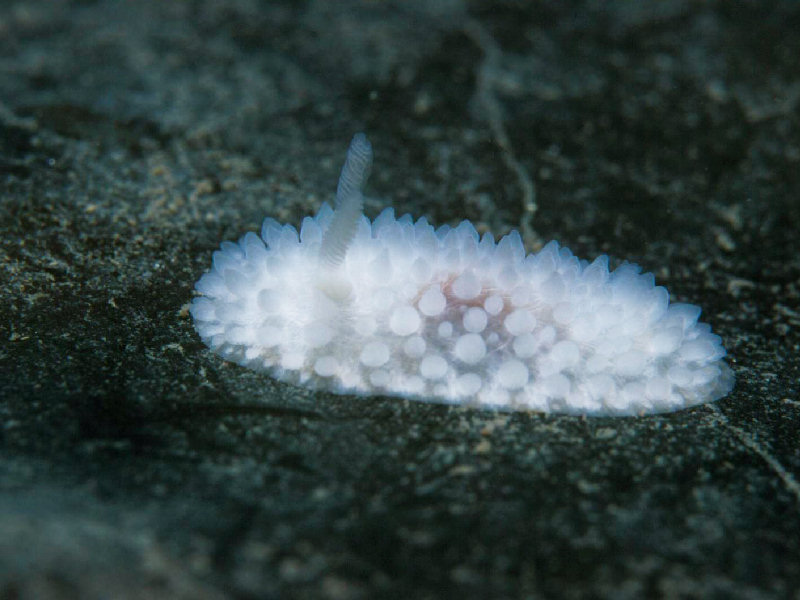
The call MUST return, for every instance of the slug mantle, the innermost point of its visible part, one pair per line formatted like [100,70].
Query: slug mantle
[396,307]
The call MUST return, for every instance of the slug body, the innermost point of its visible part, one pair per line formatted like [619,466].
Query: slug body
[398,307]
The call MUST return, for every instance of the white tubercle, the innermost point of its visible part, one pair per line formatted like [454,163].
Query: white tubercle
[397,307]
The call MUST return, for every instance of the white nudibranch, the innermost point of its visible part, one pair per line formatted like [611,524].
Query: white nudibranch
[395,307]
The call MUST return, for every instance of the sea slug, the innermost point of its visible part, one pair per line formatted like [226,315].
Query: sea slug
[396,307]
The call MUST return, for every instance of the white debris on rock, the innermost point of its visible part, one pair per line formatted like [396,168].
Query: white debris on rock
[396,307]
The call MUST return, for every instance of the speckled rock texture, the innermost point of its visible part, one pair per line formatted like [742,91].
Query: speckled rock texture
[135,136]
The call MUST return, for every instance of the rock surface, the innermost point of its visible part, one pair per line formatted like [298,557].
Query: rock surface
[134,137]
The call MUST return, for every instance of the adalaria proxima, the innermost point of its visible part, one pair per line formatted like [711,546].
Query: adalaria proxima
[396,307]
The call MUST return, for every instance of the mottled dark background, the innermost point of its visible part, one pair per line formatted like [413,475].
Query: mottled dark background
[135,136]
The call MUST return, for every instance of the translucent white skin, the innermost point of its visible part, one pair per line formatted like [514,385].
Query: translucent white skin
[445,315]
